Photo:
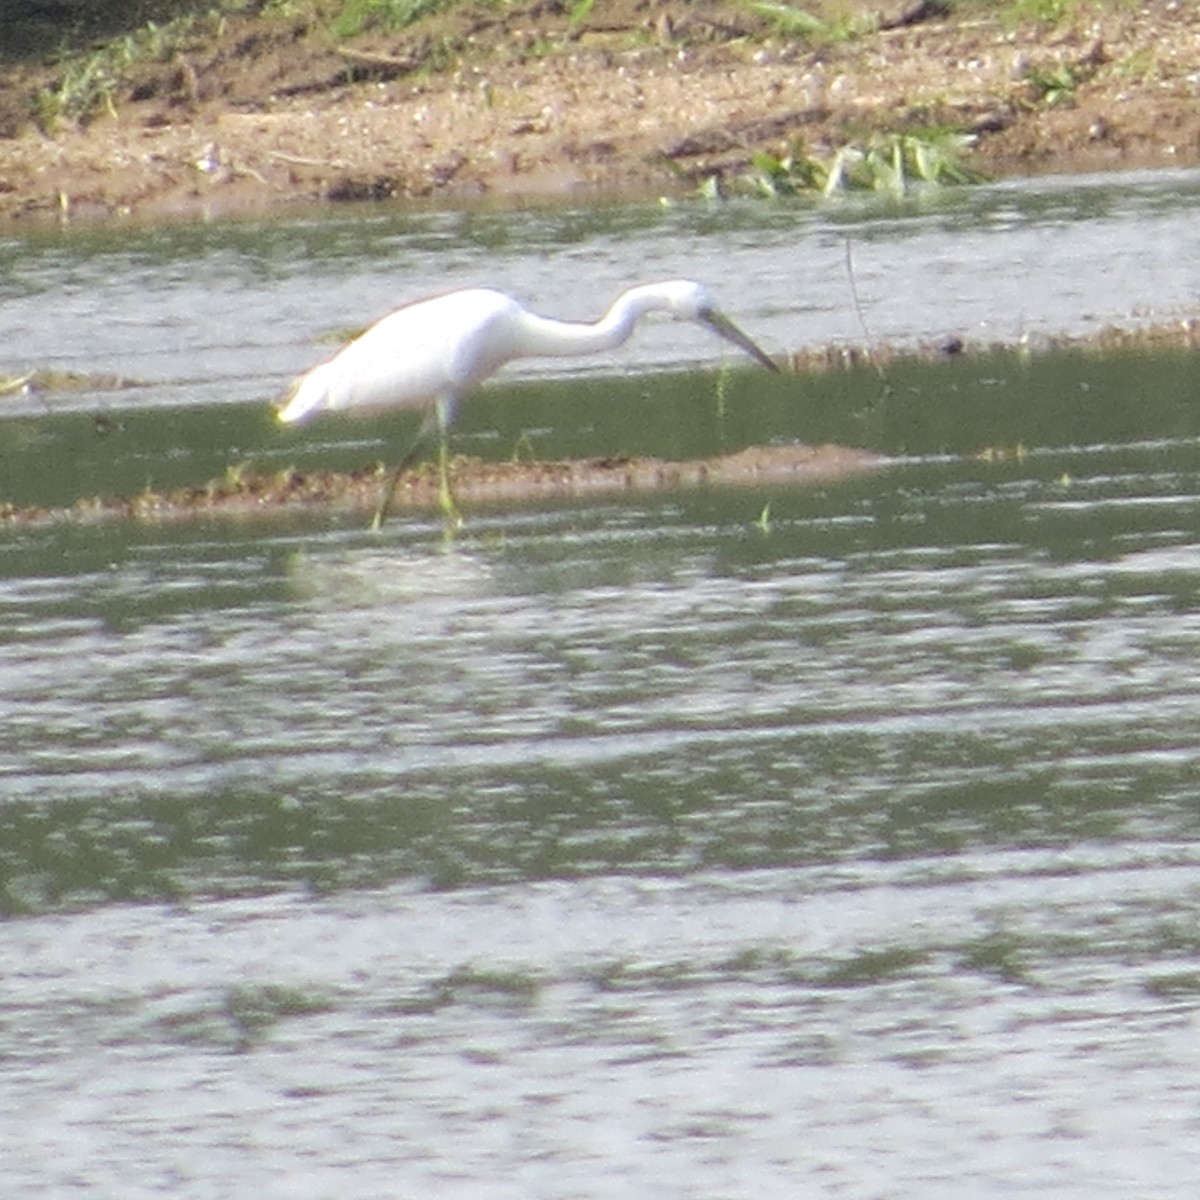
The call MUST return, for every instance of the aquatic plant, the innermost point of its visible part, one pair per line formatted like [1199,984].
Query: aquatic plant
[891,162]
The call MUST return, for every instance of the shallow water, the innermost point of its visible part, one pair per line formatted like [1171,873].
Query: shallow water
[836,841]
[228,312]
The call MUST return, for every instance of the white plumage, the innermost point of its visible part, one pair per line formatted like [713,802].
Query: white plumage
[434,351]
[429,354]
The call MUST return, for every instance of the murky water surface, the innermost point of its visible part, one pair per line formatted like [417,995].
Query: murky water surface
[778,842]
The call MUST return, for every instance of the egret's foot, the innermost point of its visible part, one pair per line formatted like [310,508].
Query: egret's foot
[381,512]
[385,499]
[453,519]
[446,502]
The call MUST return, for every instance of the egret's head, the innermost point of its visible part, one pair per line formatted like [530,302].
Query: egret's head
[691,301]
[683,298]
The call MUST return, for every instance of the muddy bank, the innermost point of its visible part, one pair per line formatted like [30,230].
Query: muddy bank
[241,494]
[262,112]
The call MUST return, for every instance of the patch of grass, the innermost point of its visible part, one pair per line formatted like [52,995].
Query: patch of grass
[1048,13]
[1141,64]
[795,173]
[788,21]
[1054,85]
[1012,14]
[1042,12]
[91,81]
[1058,82]
[886,162]
[359,16]
[580,11]
[85,89]
[896,161]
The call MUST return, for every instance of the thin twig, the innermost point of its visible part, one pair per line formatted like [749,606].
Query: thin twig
[858,312]
[300,161]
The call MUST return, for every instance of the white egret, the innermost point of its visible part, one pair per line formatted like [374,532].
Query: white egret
[430,353]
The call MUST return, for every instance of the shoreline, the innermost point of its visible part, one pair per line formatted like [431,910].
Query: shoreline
[242,495]
[266,117]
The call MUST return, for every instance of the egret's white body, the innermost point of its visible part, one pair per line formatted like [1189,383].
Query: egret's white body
[430,353]
[432,350]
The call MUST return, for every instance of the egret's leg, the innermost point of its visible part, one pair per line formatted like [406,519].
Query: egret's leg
[389,487]
[439,420]
[445,491]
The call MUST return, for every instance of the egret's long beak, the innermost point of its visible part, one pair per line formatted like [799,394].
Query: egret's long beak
[720,324]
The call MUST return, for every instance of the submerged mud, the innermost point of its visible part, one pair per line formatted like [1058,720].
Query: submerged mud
[252,494]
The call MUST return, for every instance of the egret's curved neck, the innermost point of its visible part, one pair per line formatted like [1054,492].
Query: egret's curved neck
[543,336]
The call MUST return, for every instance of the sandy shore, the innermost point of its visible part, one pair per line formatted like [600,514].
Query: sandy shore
[258,114]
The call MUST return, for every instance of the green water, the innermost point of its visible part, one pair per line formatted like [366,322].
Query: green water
[636,846]
[627,837]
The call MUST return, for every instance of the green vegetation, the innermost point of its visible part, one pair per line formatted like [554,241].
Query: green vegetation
[1013,13]
[355,17]
[90,82]
[1046,12]
[580,11]
[833,25]
[885,162]
[1055,84]
[75,26]
[103,50]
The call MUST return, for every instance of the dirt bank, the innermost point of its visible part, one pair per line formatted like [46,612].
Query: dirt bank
[241,493]
[645,96]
